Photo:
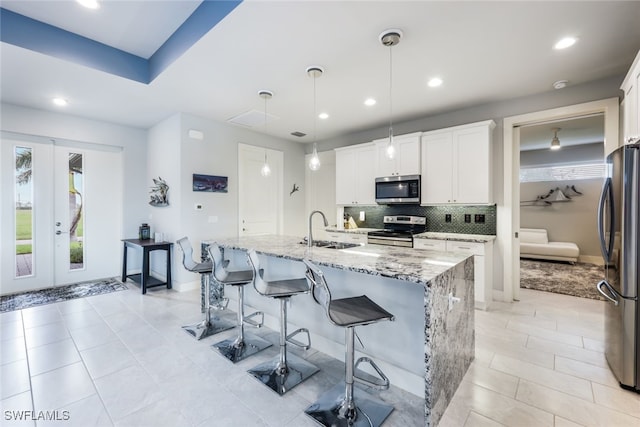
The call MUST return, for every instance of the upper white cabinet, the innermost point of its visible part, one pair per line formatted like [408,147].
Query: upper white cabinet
[631,103]
[406,160]
[355,174]
[456,164]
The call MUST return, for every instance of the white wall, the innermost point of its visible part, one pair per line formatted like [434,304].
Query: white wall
[133,141]
[175,156]
[498,110]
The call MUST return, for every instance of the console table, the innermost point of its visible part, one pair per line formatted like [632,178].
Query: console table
[147,246]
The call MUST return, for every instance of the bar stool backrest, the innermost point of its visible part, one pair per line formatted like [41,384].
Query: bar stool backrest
[259,284]
[187,254]
[319,288]
[219,271]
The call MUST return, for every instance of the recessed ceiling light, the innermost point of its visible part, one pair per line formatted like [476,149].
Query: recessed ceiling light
[435,82]
[323,116]
[60,102]
[565,43]
[369,102]
[89,4]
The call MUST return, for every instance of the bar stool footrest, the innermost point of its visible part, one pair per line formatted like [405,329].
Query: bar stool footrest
[370,411]
[380,383]
[297,343]
[249,319]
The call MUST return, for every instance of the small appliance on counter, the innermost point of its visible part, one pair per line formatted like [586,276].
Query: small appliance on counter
[399,189]
[619,230]
[398,230]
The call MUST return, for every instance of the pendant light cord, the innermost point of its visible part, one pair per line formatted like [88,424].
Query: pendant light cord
[390,92]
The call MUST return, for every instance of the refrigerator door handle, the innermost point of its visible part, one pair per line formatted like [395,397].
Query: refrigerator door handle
[607,193]
[610,291]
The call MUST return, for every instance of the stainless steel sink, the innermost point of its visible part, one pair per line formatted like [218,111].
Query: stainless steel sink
[331,245]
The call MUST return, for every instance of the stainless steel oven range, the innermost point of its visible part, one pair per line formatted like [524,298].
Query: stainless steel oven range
[398,231]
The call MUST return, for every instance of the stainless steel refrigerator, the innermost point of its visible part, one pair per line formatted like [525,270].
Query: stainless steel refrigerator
[619,228]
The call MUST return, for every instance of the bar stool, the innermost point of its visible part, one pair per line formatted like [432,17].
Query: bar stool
[206,327]
[243,346]
[288,370]
[344,405]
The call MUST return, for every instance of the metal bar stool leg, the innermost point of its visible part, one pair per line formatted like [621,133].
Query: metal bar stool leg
[243,346]
[207,327]
[345,405]
[288,370]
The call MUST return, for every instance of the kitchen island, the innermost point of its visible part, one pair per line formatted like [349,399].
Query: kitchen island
[429,346]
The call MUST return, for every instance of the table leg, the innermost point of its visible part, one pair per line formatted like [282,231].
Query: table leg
[145,270]
[124,264]
[169,267]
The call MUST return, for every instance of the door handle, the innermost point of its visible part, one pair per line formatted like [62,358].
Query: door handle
[58,223]
[607,193]
[610,291]
[61,232]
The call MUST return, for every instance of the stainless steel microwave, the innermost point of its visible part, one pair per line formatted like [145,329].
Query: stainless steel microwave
[398,189]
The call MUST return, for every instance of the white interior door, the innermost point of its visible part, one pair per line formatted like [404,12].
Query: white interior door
[259,197]
[68,183]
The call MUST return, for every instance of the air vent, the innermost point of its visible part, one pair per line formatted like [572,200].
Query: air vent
[298,134]
[252,119]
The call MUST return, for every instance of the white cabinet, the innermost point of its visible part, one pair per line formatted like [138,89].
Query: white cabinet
[631,103]
[482,264]
[456,164]
[346,237]
[356,174]
[407,158]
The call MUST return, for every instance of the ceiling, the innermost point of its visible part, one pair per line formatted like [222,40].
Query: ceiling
[483,51]
[577,131]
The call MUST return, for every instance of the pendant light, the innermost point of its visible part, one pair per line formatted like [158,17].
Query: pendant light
[555,142]
[314,71]
[265,94]
[390,38]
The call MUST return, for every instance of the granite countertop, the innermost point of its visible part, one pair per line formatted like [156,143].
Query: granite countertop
[460,237]
[394,262]
[478,238]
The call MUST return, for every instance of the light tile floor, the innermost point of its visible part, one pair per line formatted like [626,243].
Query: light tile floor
[121,359]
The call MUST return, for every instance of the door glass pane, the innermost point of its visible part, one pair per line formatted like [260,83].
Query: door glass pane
[76,223]
[24,211]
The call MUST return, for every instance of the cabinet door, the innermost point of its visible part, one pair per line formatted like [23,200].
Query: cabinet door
[345,177]
[365,175]
[408,155]
[385,166]
[471,159]
[437,168]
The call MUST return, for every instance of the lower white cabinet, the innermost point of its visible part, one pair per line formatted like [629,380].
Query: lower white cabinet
[482,263]
[360,238]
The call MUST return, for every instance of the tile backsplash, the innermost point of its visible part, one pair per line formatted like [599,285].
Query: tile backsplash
[436,217]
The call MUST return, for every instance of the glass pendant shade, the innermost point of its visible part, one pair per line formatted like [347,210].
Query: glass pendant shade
[314,161]
[391,148]
[555,142]
[266,170]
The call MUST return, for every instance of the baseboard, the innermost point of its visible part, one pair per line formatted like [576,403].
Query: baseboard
[590,259]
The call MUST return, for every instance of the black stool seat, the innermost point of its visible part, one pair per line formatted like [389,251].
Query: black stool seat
[357,311]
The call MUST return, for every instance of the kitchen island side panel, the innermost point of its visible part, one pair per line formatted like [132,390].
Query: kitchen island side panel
[449,337]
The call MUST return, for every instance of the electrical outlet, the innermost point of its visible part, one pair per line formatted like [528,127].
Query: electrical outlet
[447,217]
[479,218]
[467,218]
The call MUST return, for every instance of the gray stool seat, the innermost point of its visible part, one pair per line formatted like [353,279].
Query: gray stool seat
[244,345]
[206,327]
[288,370]
[344,405]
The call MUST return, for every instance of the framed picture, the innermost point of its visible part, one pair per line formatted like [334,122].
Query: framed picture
[211,183]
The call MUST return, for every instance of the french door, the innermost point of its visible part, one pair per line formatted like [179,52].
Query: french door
[61,212]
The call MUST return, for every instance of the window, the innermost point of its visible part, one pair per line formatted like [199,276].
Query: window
[563,173]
